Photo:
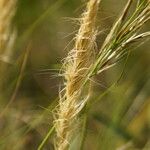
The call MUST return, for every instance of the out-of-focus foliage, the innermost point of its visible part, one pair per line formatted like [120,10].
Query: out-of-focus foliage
[121,118]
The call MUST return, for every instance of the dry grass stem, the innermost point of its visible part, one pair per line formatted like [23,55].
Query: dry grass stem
[7,34]
[76,68]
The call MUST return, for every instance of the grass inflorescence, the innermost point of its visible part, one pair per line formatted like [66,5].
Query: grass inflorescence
[80,66]
[76,67]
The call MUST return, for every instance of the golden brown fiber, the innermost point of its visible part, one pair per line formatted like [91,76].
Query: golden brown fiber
[7,11]
[76,68]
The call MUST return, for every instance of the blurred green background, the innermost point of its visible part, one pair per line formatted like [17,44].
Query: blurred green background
[46,29]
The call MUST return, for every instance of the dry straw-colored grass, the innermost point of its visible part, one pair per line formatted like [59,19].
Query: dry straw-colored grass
[79,66]
[7,34]
[76,68]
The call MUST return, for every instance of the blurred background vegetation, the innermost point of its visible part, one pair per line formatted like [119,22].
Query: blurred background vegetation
[30,83]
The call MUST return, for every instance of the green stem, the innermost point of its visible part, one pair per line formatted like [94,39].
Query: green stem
[85,117]
[46,138]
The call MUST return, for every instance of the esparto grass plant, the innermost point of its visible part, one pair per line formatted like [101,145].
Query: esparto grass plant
[80,64]
[83,61]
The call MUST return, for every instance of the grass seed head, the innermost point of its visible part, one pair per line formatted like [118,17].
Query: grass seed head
[76,68]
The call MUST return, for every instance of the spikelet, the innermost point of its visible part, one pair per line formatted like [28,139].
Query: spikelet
[7,35]
[76,68]
[124,33]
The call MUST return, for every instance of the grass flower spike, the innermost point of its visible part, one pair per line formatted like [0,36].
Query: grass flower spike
[79,66]
[76,68]
[122,36]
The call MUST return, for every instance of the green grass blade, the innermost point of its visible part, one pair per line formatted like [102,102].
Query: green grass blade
[46,138]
